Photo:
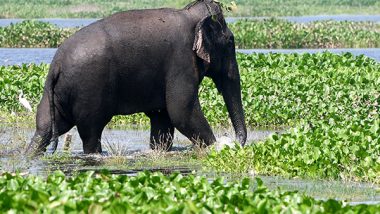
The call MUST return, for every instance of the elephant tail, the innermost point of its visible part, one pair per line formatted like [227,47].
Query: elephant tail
[50,84]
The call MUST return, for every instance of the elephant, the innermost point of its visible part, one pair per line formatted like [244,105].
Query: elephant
[149,61]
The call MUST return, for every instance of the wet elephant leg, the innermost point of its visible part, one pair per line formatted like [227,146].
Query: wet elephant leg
[42,136]
[161,131]
[185,112]
[90,131]
[91,138]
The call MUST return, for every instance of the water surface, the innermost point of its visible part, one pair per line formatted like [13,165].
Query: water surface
[12,56]
[134,140]
[77,22]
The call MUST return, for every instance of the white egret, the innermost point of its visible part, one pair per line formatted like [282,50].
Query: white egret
[24,102]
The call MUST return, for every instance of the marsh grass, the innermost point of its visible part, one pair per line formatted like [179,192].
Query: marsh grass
[118,156]
[117,153]
[175,160]
[97,8]
[67,162]
[21,120]
[116,149]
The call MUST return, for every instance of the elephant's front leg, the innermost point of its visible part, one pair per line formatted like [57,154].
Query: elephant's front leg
[161,131]
[185,111]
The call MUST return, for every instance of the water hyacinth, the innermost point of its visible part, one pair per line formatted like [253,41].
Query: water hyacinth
[277,33]
[278,90]
[33,34]
[346,151]
[267,33]
[333,103]
[154,192]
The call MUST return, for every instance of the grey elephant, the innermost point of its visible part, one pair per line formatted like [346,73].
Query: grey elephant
[149,61]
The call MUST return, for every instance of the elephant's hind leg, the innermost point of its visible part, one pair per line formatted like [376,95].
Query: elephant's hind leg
[161,131]
[90,131]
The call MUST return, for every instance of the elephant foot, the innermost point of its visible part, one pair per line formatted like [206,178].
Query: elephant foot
[37,146]
[53,147]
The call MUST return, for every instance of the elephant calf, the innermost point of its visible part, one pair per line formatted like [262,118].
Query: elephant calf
[149,61]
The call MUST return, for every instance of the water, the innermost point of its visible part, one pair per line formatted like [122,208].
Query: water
[60,22]
[132,145]
[134,140]
[12,56]
[353,192]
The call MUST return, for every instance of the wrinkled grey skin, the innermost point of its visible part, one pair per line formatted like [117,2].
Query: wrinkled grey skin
[149,61]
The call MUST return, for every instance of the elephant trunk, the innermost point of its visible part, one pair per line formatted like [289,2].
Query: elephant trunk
[231,91]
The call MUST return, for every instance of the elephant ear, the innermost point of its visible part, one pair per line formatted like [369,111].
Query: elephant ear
[203,39]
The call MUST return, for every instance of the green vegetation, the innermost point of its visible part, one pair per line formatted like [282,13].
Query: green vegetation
[348,152]
[278,90]
[27,78]
[332,101]
[335,101]
[28,34]
[277,33]
[268,33]
[97,8]
[306,7]
[154,192]
[283,89]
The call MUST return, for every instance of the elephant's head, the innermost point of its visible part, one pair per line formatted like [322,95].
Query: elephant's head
[214,45]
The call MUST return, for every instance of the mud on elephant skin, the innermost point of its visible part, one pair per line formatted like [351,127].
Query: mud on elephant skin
[150,61]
